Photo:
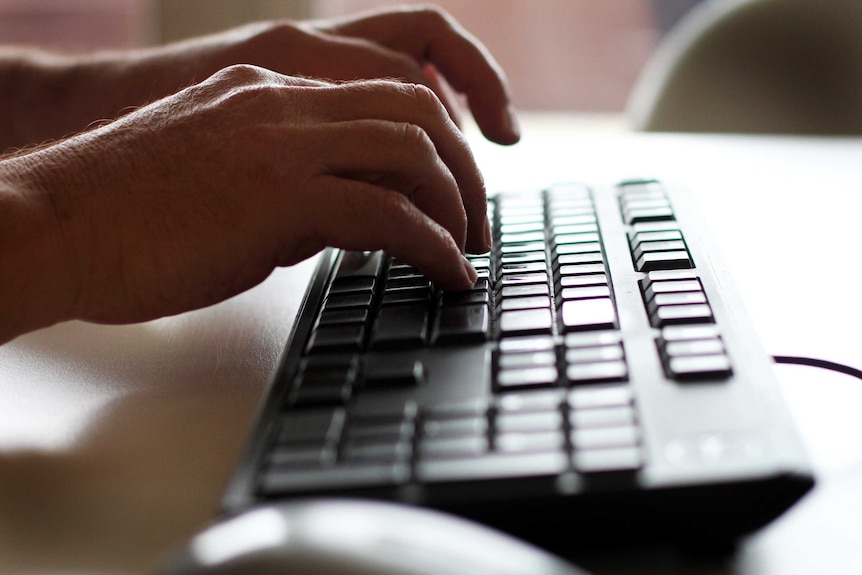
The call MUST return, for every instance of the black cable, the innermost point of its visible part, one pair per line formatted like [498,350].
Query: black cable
[821,363]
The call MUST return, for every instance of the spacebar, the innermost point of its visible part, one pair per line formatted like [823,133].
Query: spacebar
[496,466]
[287,480]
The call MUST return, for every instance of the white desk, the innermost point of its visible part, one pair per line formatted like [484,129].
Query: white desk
[116,442]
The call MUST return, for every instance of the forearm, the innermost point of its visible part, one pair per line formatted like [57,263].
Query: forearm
[40,98]
[45,96]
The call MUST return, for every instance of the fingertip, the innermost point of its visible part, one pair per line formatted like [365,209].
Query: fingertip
[498,122]
[511,125]
[470,273]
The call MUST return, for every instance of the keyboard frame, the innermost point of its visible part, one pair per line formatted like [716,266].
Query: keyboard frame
[692,500]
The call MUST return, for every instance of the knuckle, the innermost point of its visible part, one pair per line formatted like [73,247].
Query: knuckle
[414,138]
[424,95]
[240,75]
[434,16]
[426,100]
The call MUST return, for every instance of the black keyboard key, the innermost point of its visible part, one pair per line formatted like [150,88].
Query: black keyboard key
[534,302]
[312,426]
[588,314]
[581,269]
[679,298]
[395,371]
[602,417]
[493,466]
[618,459]
[533,442]
[584,280]
[676,260]
[463,323]
[342,316]
[380,431]
[601,396]
[658,246]
[473,425]
[527,401]
[453,447]
[522,248]
[578,248]
[352,285]
[662,213]
[527,359]
[457,298]
[526,322]
[525,290]
[676,314]
[587,292]
[656,236]
[697,367]
[593,354]
[383,452]
[353,476]
[400,326]
[597,372]
[301,456]
[577,238]
[527,422]
[343,337]
[535,377]
[580,259]
[516,279]
[417,281]
[536,225]
[334,393]
[605,437]
[671,286]
[348,301]
[359,264]
[524,268]
[693,347]
[420,295]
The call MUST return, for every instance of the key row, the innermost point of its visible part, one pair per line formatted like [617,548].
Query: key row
[596,432]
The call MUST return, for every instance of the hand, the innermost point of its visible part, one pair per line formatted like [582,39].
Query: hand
[199,196]
[409,44]
[423,46]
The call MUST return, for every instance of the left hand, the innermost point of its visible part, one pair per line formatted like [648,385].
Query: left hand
[413,45]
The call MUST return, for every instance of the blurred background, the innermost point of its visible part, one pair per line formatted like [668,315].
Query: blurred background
[605,42]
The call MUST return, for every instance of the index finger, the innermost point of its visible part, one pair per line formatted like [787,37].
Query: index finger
[430,35]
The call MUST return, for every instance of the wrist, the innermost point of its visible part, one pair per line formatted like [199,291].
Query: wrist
[39,284]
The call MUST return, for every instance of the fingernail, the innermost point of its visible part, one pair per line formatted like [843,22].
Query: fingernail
[488,238]
[469,270]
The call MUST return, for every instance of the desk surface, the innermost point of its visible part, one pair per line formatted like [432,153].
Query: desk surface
[116,442]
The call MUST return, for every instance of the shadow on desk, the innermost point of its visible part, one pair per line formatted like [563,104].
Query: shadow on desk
[116,442]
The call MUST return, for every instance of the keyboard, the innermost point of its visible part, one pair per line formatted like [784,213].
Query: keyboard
[600,380]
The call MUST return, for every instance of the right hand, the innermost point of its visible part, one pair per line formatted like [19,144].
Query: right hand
[197,197]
